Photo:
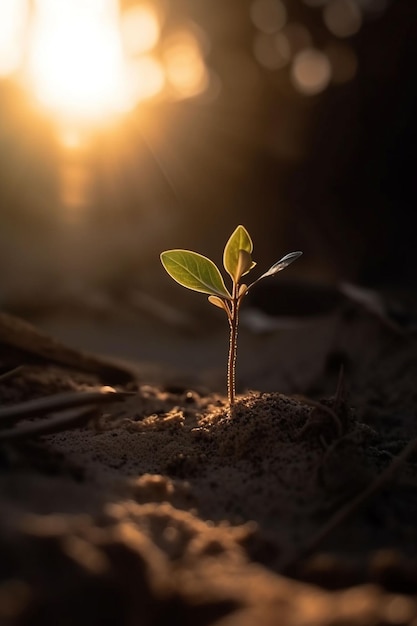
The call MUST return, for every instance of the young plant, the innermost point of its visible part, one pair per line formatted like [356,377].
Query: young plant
[197,272]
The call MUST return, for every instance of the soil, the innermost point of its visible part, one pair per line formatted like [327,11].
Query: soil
[165,507]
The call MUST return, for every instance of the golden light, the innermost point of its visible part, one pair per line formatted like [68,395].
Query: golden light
[70,137]
[146,78]
[13,17]
[87,62]
[185,68]
[84,64]
[75,182]
[75,58]
[140,29]
[311,71]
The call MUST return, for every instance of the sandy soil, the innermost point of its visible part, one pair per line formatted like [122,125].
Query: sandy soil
[165,508]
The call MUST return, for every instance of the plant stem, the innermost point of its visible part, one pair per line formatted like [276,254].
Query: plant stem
[231,365]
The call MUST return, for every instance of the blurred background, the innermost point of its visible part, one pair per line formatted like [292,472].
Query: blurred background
[128,127]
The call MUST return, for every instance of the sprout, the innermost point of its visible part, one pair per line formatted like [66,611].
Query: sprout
[197,272]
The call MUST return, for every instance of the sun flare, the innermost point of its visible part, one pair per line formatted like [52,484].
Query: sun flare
[13,18]
[75,63]
[86,62]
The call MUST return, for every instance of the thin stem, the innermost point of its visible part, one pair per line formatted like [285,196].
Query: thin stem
[231,365]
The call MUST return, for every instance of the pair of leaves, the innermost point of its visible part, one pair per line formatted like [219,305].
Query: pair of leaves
[197,272]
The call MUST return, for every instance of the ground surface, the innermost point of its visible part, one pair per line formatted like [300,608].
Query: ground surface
[165,508]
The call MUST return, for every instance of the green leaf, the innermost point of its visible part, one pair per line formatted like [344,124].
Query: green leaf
[238,240]
[194,271]
[281,264]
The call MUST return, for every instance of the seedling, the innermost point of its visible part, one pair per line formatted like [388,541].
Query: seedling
[197,272]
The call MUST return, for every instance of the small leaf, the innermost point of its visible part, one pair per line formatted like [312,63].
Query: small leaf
[277,267]
[219,303]
[194,271]
[238,240]
[242,291]
[244,264]
[281,264]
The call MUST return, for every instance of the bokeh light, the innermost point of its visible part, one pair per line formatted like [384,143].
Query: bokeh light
[115,112]
[268,15]
[343,18]
[146,78]
[185,68]
[90,61]
[311,71]
[87,62]
[140,29]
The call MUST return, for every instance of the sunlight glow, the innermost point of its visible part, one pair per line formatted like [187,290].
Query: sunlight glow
[88,62]
[185,67]
[75,183]
[146,78]
[76,63]
[140,29]
[13,16]
[70,137]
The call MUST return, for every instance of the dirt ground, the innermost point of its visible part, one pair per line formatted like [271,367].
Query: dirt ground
[162,507]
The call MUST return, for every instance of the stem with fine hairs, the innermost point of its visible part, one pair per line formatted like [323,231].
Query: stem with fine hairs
[231,364]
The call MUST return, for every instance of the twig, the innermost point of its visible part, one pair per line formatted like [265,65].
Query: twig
[30,343]
[55,424]
[59,402]
[10,373]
